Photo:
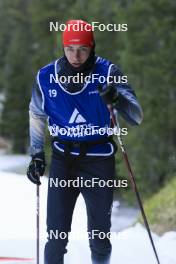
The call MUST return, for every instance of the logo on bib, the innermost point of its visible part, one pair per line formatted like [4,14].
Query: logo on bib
[76,117]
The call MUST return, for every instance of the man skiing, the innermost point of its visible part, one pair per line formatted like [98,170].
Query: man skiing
[76,113]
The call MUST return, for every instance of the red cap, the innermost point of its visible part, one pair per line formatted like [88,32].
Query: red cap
[78,32]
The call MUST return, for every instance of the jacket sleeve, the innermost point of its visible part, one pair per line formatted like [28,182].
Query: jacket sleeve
[128,105]
[37,121]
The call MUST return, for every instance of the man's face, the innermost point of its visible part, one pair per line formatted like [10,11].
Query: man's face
[77,54]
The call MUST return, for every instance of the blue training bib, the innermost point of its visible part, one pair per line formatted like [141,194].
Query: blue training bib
[80,116]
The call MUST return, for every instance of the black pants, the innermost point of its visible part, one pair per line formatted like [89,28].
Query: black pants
[61,202]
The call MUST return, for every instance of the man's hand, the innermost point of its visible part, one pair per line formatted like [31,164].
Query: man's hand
[108,93]
[36,168]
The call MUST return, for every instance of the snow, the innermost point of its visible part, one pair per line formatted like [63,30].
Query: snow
[17,225]
[8,162]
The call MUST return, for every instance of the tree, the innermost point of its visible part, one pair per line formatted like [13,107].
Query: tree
[17,78]
[149,59]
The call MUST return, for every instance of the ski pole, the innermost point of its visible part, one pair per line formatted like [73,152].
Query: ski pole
[37,224]
[115,122]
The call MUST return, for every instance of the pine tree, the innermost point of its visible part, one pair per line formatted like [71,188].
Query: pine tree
[149,59]
[17,78]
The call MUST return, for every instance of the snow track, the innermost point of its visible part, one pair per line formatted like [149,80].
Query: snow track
[17,228]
